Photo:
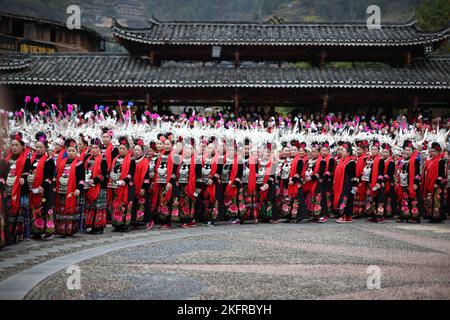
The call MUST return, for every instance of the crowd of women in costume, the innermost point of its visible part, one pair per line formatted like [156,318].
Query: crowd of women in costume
[147,176]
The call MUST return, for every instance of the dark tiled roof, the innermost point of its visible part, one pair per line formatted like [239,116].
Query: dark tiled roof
[12,62]
[122,70]
[48,22]
[287,34]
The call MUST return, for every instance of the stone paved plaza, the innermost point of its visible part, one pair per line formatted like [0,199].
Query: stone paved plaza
[282,261]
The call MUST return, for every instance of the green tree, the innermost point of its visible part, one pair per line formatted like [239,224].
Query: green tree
[433,15]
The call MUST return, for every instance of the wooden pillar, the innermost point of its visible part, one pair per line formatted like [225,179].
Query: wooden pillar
[148,102]
[325,100]
[323,55]
[237,99]
[413,106]
[59,98]
[152,57]
[237,60]
[408,58]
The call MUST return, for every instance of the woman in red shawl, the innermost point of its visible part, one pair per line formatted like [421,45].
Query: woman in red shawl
[141,185]
[109,152]
[389,174]
[96,168]
[231,183]
[122,186]
[165,177]
[187,188]
[373,178]
[327,185]
[360,196]
[292,186]
[344,184]
[153,153]
[409,184]
[69,188]
[313,186]
[210,178]
[83,149]
[17,189]
[60,151]
[3,225]
[433,184]
[287,202]
[247,197]
[265,182]
[40,182]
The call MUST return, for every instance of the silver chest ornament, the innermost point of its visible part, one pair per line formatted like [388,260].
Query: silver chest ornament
[12,176]
[115,174]
[286,169]
[310,170]
[279,167]
[206,171]
[184,171]
[32,174]
[162,173]
[245,172]
[367,171]
[64,179]
[88,175]
[152,164]
[404,175]
[226,172]
[261,173]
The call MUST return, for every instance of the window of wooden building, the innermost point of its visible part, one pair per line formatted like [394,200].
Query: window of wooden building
[29,31]
[53,35]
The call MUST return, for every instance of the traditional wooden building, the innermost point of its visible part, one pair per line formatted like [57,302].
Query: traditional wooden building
[19,33]
[246,64]
[396,44]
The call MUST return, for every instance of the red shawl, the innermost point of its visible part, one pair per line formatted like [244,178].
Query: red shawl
[316,171]
[156,186]
[431,172]
[71,184]
[293,189]
[139,174]
[263,194]
[190,188]
[251,188]
[15,193]
[375,165]
[122,191]
[93,192]
[305,165]
[169,173]
[35,199]
[60,157]
[83,154]
[231,192]
[411,173]
[397,186]
[360,164]
[339,176]
[386,167]
[108,155]
[211,189]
